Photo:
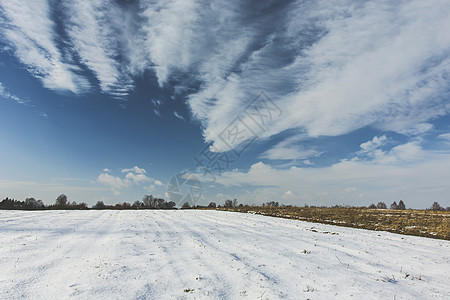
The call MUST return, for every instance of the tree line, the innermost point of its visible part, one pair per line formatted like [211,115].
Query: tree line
[380,205]
[150,202]
[62,202]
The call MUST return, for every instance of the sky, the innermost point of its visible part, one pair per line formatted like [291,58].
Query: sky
[299,102]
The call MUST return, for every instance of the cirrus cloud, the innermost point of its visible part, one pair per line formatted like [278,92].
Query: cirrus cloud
[331,66]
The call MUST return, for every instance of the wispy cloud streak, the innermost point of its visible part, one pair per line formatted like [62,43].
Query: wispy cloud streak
[30,33]
[332,66]
[5,94]
[99,33]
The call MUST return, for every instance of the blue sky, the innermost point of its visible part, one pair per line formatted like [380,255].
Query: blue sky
[318,102]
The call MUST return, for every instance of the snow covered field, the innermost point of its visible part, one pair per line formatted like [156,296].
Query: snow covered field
[210,255]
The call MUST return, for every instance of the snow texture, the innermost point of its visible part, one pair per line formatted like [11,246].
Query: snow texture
[195,254]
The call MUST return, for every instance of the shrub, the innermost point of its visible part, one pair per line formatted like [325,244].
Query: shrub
[435,206]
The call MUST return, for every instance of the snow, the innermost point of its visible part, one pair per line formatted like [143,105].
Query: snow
[195,254]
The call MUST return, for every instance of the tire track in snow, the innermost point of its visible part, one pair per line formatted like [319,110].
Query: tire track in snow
[158,254]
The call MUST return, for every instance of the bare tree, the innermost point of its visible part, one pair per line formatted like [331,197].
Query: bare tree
[61,200]
[435,206]
[160,203]
[149,201]
[235,203]
[137,204]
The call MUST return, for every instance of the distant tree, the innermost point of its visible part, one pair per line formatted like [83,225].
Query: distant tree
[137,204]
[381,205]
[160,203]
[126,205]
[435,206]
[448,208]
[401,205]
[235,203]
[186,205]
[61,200]
[228,203]
[170,205]
[149,201]
[271,204]
[82,205]
[372,206]
[8,203]
[30,203]
[394,205]
[99,205]
[212,205]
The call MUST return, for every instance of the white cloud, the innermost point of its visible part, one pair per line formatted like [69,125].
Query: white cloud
[331,66]
[100,31]
[133,177]
[135,169]
[115,183]
[374,144]
[290,149]
[406,172]
[156,102]
[169,32]
[289,153]
[445,136]
[30,33]
[137,178]
[5,94]
[182,35]
[404,153]
[177,115]
[375,63]
[418,129]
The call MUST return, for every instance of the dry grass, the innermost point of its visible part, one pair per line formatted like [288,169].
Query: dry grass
[434,224]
